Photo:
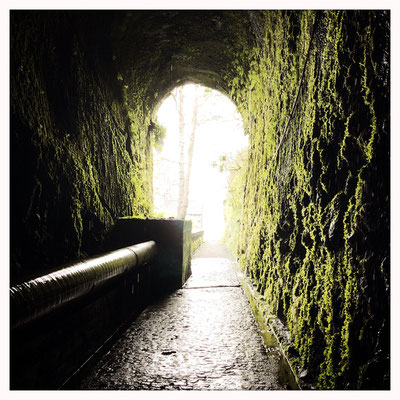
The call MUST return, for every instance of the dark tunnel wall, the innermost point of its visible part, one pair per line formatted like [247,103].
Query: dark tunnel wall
[169,48]
[84,89]
[314,235]
[79,156]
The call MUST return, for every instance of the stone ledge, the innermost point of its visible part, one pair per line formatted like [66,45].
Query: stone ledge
[273,332]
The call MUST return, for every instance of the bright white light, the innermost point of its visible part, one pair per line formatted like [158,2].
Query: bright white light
[218,133]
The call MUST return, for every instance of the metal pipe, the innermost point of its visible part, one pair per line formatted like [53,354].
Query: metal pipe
[39,296]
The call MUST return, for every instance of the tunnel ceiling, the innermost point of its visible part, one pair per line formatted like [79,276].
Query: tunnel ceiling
[313,90]
[160,50]
[85,86]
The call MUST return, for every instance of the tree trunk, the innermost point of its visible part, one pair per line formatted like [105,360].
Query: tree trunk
[185,200]
[180,213]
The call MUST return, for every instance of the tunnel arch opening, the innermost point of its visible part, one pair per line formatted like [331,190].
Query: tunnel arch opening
[204,148]
[88,165]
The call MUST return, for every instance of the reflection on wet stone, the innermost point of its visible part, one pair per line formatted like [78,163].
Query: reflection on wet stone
[202,337]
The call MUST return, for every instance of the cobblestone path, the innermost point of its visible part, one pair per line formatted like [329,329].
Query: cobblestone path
[202,337]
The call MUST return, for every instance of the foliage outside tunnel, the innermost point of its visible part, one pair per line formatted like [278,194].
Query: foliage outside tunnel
[314,219]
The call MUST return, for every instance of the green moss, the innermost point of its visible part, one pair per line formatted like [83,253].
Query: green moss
[302,212]
[92,169]
[298,219]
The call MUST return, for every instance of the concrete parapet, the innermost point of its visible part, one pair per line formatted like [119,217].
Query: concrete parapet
[47,351]
[173,238]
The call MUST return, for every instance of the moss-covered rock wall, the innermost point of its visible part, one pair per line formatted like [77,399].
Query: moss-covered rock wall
[312,88]
[77,160]
[85,87]
[315,226]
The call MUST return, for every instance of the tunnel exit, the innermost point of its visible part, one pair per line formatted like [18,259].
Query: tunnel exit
[203,137]
[309,219]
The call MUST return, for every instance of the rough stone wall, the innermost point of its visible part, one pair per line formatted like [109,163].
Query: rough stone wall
[314,233]
[85,87]
[315,225]
[77,160]
[165,49]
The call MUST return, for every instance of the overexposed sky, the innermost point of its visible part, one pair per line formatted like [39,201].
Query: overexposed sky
[218,133]
[207,4]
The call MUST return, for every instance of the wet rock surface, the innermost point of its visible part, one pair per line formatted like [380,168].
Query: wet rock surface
[202,337]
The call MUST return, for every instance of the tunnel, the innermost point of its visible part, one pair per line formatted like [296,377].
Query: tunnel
[313,91]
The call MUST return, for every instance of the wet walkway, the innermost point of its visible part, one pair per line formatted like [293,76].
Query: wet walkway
[202,337]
